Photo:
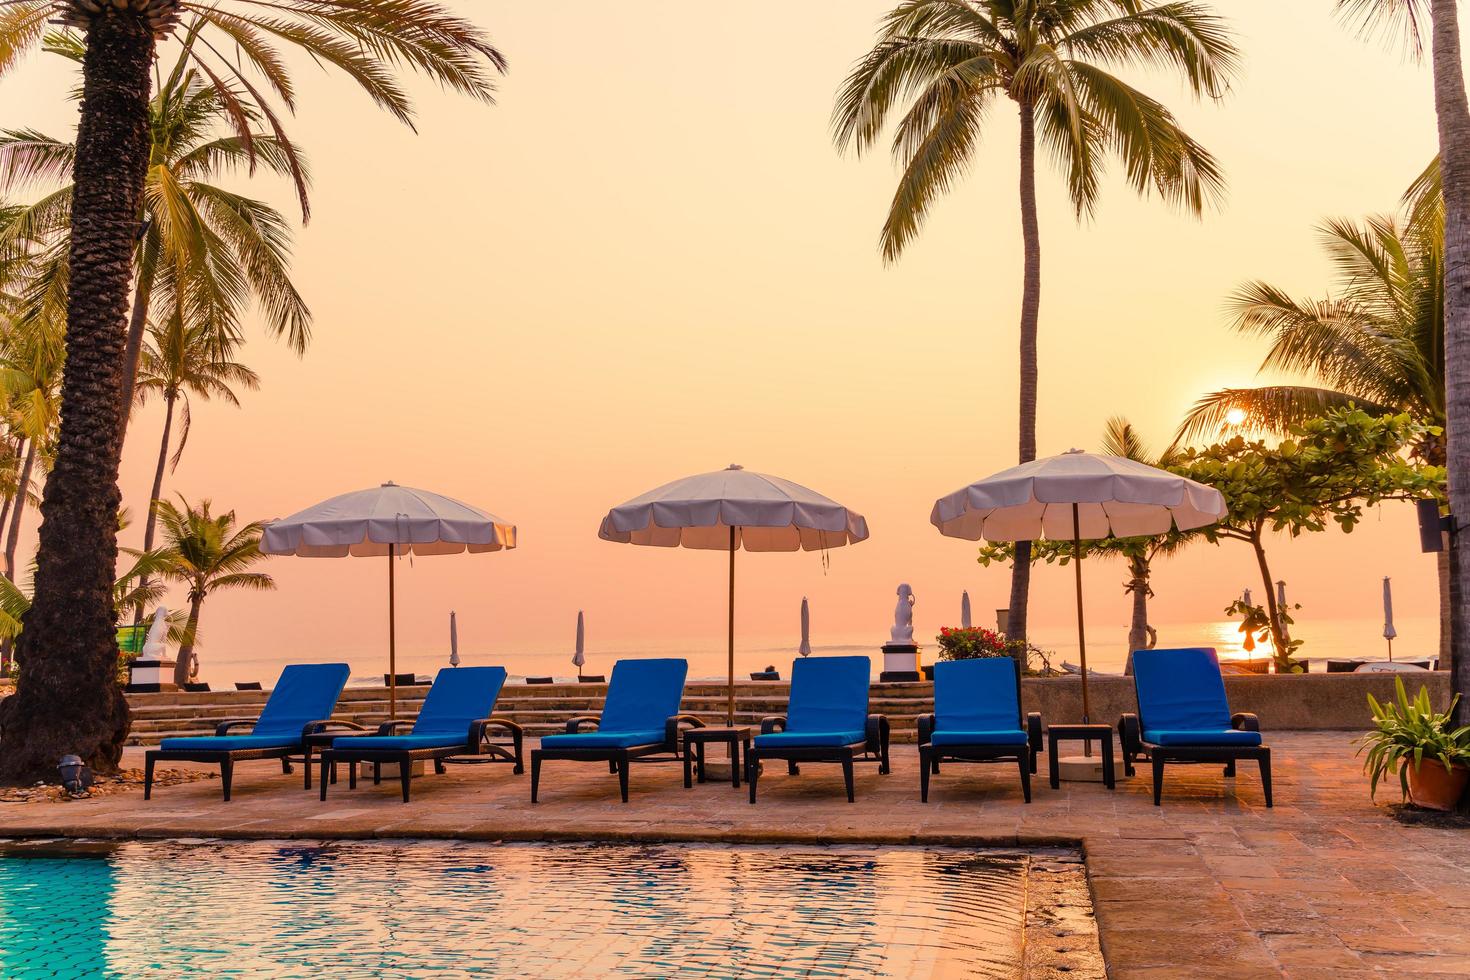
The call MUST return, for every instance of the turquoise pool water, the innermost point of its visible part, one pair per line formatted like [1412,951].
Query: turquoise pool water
[415,909]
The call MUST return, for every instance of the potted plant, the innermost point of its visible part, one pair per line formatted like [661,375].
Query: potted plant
[1430,755]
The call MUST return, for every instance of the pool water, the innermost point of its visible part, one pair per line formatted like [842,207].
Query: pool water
[454,909]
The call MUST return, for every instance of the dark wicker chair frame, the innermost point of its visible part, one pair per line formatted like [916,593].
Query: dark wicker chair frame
[1130,737]
[1024,755]
[671,749]
[228,757]
[481,743]
[873,748]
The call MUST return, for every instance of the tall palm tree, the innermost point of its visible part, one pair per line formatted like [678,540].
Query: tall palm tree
[1377,341]
[951,61]
[208,554]
[1452,112]
[179,362]
[66,701]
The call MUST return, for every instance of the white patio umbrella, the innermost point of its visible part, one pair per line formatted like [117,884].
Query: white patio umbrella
[1077,495]
[387,521]
[579,655]
[1388,631]
[805,649]
[965,620]
[731,509]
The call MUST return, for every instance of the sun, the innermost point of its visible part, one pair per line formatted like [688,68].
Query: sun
[1236,416]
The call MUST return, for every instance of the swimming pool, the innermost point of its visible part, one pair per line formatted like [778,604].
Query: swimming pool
[417,909]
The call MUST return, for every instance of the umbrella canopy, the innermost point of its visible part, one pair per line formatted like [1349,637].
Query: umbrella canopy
[579,656]
[728,510]
[386,521]
[805,649]
[1077,495]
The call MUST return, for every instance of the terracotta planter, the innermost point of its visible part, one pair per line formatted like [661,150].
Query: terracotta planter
[1435,789]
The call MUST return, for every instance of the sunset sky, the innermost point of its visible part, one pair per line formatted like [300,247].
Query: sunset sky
[648,261]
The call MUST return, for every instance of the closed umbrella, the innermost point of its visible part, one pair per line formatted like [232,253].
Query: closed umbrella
[728,510]
[387,521]
[965,610]
[806,630]
[453,640]
[1077,495]
[1388,631]
[579,656]
[1281,605]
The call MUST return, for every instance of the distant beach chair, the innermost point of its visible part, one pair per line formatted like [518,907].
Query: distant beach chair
[199,687]
[300,704]
[592,679]
[826,720]
[456,720]
[400,680]
[769,674]
[977,718]
[1183,716]
[540,680]
[1344,666]
[640,720]
[247,686]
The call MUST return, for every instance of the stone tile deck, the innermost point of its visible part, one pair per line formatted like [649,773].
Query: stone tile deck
[1211,884]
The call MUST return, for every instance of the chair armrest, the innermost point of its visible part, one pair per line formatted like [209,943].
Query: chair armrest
[1033,730]
[224,726]
[672,725]
[877,732]
[926,727]
[499,721]
[1245,721]
[392,727]
[773,723]
[334,724]
[574,725]
[1130,736]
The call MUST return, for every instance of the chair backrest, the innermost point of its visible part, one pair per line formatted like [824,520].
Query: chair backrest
[981,695]
[643,694]
[305,692]
[829,694]
[1180,689]
[459,696]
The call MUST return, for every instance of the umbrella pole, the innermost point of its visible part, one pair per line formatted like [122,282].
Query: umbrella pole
[730,699]
[392,646]
[1081,631]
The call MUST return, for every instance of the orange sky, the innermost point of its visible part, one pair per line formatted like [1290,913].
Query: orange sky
[648,261]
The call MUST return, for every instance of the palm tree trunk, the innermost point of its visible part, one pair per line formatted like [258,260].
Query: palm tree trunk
[12,533]
[1139,632]
[137,321]
[1030,311]
[68,700]
[151,527]
[1278,635]
[1453,113]
[185,658]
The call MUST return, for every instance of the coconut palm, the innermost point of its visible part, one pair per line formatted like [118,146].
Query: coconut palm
[208,554]
[66,701]
[1452,112]
[952,61]
[1376,341]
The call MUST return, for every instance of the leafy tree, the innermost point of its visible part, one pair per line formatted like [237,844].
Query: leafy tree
[1327,472]
[208,553]
[951,61]
[1452,113]
[66,701]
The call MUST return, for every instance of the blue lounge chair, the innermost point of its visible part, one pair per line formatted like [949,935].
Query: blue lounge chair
[300,704]
[826,720]
[456,719]
[1183,716]
[640,719]
[977,718]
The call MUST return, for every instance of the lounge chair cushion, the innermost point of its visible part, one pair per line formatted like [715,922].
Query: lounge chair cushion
[829,695]
[1180,690]
[643,694]
[304,693]
[406,743]
[603,740]
[459,696]
[230,743]
[976,695]
[796,740]
[998,736]
[1186,737]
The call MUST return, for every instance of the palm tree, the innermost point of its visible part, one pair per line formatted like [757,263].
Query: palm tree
[1452,111]
[179,362]
[67,701]
[208,554]
[1377,341]
[952,60]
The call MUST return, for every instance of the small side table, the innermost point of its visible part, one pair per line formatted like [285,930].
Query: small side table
[1085,734]
[695,739]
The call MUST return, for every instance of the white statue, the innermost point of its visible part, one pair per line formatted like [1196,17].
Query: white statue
[903,617]
[155,644]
